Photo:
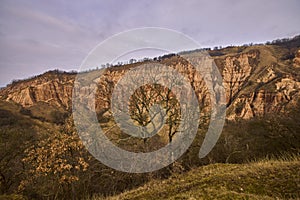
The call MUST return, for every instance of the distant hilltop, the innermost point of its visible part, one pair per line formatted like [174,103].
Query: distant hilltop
[258,79]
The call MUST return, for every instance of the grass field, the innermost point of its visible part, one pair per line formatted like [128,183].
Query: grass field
[266,179]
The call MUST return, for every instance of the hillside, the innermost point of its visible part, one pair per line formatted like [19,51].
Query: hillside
[42,156]
[268,179]
[258,79]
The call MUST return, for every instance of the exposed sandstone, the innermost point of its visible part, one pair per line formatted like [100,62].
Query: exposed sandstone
[297,59]
[267,94]
[236,72]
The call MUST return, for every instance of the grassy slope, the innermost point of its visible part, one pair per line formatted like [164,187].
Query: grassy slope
[260,180]
[12,117]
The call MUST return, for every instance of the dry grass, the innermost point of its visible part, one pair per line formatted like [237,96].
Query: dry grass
[265,179]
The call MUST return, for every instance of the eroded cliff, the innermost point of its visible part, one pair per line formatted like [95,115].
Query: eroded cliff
[256,80]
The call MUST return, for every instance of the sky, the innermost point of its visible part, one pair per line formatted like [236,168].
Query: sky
[40,35]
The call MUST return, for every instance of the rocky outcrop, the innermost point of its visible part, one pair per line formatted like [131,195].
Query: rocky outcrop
[237,70]
[267,76]
[252,89]
[297,59]
[262,102]
[54,88]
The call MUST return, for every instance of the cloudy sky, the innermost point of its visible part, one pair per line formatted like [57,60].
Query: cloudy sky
[36,35]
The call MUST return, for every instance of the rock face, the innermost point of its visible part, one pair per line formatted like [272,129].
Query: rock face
[297,59]
[263,102]
[255,85]
[53,87]
[237,70]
